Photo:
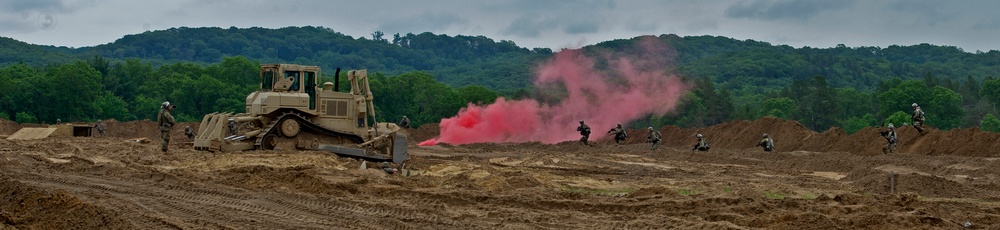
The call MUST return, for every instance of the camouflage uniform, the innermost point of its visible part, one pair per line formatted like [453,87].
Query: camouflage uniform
[702,144]
[99,126]
[188,132]
[232,127]
[584,133]
[767,143]
[619,133]
[918,118]
[654,136]
[890,136]
[165,121]
[405,123]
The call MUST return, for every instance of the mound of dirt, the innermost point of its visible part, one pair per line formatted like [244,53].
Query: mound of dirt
[27,207]
[792,136]
[424,132]
[8,127]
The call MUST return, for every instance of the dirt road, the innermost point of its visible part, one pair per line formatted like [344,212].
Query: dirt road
[107,182]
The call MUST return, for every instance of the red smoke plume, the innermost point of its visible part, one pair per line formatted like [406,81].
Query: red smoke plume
[629,87]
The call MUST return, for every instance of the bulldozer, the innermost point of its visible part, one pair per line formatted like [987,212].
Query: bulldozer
[292,111]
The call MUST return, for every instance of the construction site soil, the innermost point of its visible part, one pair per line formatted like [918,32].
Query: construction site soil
[828,180]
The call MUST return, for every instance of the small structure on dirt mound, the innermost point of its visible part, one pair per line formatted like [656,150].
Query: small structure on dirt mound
[63,130]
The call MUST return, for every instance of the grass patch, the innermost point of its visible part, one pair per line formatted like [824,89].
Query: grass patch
[603,192]
[689,192]
[774,195]
[727,189]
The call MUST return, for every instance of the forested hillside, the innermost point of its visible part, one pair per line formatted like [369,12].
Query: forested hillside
[428,76]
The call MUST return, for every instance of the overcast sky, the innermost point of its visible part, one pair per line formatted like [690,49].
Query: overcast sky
[970,25]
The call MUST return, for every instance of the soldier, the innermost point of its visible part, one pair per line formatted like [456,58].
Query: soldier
[405,123]
[99,126]
[619,133]
[654,136]
[890,136]
[388,169]
[918,118]
[188,132]
[232,127]
[767,143]
[58,121]
[166,121]
[702,144]
[584,133]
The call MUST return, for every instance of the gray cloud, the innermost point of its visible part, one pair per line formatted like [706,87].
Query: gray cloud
[33,5]
[783,9]
[426,21]
[531,23]
[927,12]
[528,25]
[701,25]
[581,27]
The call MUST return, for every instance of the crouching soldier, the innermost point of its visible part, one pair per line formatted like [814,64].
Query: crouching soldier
[654,136]
[890,136]
[767,143]
[188,132]
[702,144]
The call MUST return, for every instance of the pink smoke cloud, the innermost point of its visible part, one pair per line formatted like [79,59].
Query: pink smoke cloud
[628,88]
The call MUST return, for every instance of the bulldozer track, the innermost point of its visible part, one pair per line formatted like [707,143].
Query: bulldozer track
[272,128]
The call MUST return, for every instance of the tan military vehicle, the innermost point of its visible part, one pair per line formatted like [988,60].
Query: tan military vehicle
[292,111]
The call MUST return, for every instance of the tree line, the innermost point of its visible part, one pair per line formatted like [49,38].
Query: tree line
[850,87]
[94,89]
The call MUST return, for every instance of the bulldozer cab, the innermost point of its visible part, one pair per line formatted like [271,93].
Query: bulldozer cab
[291,79]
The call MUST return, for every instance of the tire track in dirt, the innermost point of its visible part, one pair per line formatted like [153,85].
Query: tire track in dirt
[176,201]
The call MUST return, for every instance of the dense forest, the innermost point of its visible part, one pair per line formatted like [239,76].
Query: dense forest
[428,77]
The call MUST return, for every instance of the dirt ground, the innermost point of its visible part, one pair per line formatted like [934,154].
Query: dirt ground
[827,180]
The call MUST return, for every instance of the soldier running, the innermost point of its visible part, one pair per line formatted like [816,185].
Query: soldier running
[584,133]
[890,136]
[767,143]
[654,136]
[702,144]
[918,118]
[619,133]
[165,121]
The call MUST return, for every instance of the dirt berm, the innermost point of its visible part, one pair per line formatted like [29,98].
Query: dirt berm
[828,180]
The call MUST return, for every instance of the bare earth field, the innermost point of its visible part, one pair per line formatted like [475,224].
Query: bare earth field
[827,180]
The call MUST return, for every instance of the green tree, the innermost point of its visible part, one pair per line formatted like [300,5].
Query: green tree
[853,124]
[25,118]
[110,106]
[416,95]
[781,107]
[941,105]
[991,91]
[476,94]
[990,123]
[898,119]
